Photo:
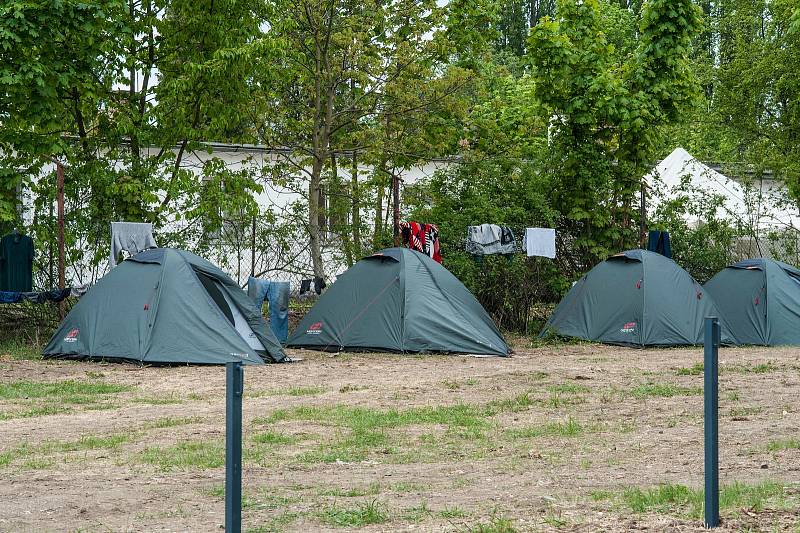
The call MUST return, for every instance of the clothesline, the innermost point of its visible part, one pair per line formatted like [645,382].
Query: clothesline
[493,239]
[53,295]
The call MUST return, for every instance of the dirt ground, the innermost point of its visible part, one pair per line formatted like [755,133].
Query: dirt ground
[554,438]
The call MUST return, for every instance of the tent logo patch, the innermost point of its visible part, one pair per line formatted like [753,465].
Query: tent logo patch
[72,335]
[314,329]
[629,327]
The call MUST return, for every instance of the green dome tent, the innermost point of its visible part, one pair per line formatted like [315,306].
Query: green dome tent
[760,301]
[166,306]
[637,298]
[399,300]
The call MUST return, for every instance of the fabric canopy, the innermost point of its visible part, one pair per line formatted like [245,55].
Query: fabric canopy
[635,298]
[399,300]
[760,301]
[166,306]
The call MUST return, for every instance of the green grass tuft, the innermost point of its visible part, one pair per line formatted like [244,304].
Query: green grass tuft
[569,428]
[20,351]
[786,444]
[362,515]
[372,489]
[194,455]
[449,513]
[271,437]
[568,388]
[169,422]
[664,390]
[42,410]
[69,391]
[497,524]
[520,402]
[695,370]
[679,499]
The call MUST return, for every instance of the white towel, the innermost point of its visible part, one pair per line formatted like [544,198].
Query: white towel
[540,242]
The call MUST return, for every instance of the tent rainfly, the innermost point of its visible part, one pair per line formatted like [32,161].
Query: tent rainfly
[166,306]
[636,298]
[760,301]
[399,300]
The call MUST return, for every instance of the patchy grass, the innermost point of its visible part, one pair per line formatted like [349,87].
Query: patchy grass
[69,391]
[43,410]
[497,524]
[449,513]
[520,402]
[558,400]
[172,398]
[263,499]
[452,384]
[569,428]
[88,442]
[463,431]
[193,455]
[568,388]
[372,489]
[20,351]
[373,512]
[418,513]
[407,486]
[13,454]
[663,390]
[351,388]
[364,419]
[171,422]
[600,495]
[760,368]
[38,463]
[679,499]
[276,524]
[39,456]
[740,412]
[785,444]
[271,437]
[291,391]
[695,370]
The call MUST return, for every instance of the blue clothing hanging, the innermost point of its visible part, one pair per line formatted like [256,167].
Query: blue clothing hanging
[277,295]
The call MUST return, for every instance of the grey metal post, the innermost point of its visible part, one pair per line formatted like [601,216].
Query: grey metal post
[233,447]
[711,426]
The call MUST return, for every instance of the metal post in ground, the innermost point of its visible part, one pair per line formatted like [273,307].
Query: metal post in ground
[710,420]
[233,447]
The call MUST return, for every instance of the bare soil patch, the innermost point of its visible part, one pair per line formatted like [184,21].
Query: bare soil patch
[557,437]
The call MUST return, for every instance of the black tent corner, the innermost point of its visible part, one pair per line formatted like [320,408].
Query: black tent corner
[635,298]
[399,300]
[166,306]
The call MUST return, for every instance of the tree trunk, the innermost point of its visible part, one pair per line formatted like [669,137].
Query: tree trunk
[338,211]
[380,173]
[355,217]
[314,187]
[396,208]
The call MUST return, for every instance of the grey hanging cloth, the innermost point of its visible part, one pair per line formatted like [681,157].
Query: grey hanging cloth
[132,237]
[488,239]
